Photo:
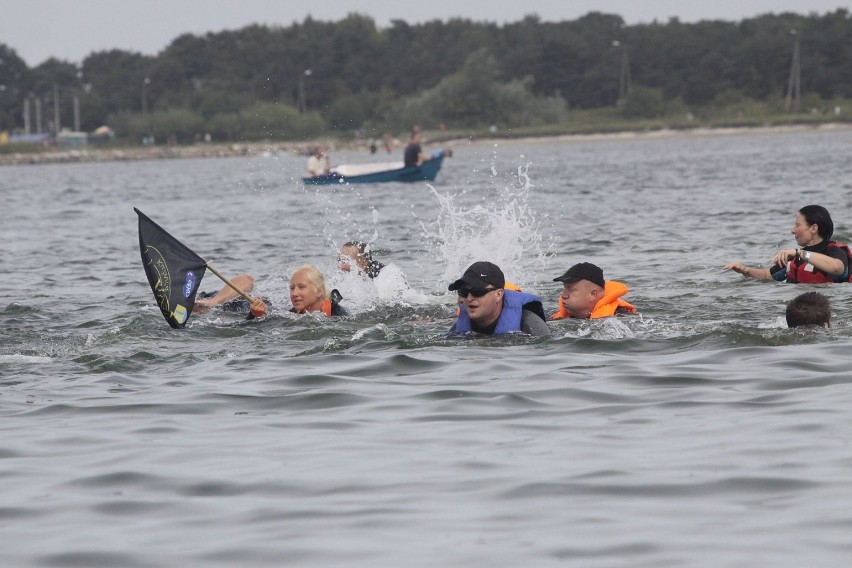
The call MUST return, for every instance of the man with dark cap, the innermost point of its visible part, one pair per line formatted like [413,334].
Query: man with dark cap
[488,308]
[585,294]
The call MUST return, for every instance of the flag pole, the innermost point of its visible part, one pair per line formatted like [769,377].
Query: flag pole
[229,283]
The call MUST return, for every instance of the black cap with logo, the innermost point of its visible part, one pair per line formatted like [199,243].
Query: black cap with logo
[479,275]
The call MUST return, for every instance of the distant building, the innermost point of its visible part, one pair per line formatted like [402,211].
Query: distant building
[68,139]
[28,138]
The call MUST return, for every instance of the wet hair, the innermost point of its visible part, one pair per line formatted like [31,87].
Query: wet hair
[810,308]
[315,276]
[818,215]
[363,253]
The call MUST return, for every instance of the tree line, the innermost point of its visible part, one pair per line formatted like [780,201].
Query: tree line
[316,77]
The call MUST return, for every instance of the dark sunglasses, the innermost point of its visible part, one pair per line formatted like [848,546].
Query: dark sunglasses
[477,292]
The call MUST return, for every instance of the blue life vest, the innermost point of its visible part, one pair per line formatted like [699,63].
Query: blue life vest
[510,318]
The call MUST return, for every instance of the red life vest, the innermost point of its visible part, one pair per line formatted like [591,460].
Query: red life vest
[607,305]
[797,273]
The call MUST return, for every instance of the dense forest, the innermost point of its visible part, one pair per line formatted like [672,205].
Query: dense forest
[320,78]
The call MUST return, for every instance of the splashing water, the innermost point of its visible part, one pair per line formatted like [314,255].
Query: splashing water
[502,229]
[495,223]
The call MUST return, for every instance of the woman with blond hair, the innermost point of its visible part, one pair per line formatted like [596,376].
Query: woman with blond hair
[309,293]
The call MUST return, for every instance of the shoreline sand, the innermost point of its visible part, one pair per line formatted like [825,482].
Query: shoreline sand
[254,149]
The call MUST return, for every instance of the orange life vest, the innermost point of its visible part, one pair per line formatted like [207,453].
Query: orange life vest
[325,308]
[607,305]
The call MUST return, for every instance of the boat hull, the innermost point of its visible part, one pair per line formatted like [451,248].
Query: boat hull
[424,172]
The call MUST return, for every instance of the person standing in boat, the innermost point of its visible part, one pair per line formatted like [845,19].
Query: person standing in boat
[319,163]
[819,260]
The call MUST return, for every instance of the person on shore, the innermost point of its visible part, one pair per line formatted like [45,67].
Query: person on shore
[319,163]
[310,294]
[488,308]
[586,295]
[810,308]
[230,300]
[818,260]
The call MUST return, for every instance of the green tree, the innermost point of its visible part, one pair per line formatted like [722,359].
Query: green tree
[117,79]
[278,121]
[475,96]
[14,87]
[644,102]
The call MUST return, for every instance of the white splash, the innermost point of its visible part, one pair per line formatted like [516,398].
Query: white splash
[500,228]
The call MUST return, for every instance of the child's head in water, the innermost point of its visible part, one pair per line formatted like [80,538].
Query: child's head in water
[810,308]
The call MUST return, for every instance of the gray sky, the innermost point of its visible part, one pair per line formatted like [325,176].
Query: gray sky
[72,29]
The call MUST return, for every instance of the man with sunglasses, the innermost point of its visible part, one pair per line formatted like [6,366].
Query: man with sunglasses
[488,308]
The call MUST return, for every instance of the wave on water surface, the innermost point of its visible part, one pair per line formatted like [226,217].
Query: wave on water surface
[644,441]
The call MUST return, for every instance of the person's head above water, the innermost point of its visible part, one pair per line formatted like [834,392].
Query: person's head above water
[810,308]
[307,289]
[480,291]
[582,287]
[358,253]
[813,225]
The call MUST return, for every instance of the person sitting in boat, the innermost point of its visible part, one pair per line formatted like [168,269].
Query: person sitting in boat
[309,293]
[586,295]
[414,155]
[818,260]
[230,300]
[319,163]
[488,308]
[810,308]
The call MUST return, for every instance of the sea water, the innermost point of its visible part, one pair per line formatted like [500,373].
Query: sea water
[701,432]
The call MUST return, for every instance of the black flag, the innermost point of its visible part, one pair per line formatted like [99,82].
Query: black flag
[174,271]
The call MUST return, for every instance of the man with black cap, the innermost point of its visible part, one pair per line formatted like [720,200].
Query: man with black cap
[585,294]
[487,307]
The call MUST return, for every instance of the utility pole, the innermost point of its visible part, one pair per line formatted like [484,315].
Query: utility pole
[56,124]
[625,84]
[794,85]
[76,112]
[303,101]
[145,82]
[27,115]
[38,115]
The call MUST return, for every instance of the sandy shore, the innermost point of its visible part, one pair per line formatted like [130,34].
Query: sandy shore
[261,148]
